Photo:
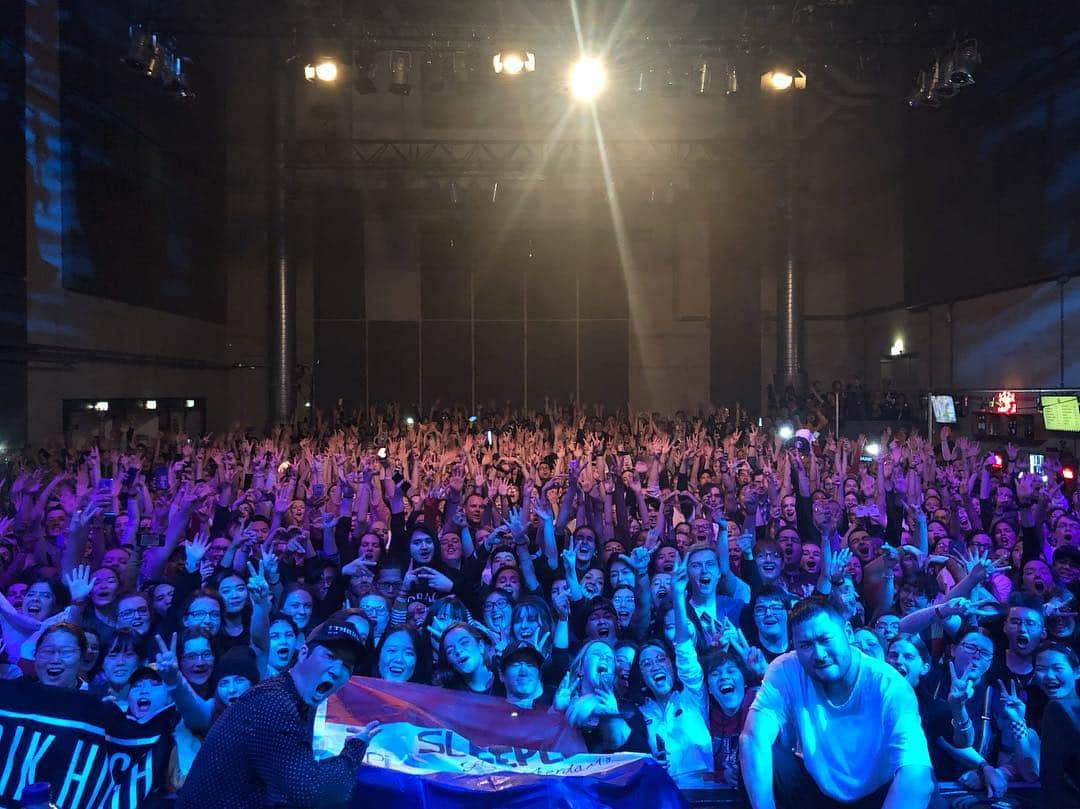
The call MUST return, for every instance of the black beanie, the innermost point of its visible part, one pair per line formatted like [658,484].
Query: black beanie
[239,661]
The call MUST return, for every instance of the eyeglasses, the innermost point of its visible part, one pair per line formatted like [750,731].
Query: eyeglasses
[125,614]
[192,657]
[498,604]
[202,615]
[769,555]
[977,652]
[1026,623]
[765,609]
[51,652]
[653,663]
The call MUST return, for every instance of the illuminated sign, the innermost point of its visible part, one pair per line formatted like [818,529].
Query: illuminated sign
[1005,403]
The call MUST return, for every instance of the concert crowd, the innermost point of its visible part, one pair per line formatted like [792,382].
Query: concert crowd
[808,621]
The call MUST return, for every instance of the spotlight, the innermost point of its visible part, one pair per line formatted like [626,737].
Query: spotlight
[670,86]
[731,79]
[324,70]
[873,449]
[1068,473]
[786,432]
[438,68]
[400,70]
[161,61]
[464,70]
[410,421]
[645,79]
[897,348]
[587,79]
[703,72]
[140,48]
[151,404]
[781,80]
[964,60]
[189,403]
[364,63]
[101,407]
[176,80]
[939,78]
[513,62]
[922,96]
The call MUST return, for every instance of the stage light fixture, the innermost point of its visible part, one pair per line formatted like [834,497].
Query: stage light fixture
[786,432]
[922,96]
[323,70]
[703,73]
[514,62]
[873,449]
[438,69]
[782,79]
[151,404]
[101,407]
[587,78]
[940,87]
[140,48]
[670,86]
[964,61]
[364,69]
[400,72]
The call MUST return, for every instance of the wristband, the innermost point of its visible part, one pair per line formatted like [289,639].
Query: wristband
[80,602]
[962,723]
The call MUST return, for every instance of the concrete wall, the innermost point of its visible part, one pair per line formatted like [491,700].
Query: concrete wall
[91,326]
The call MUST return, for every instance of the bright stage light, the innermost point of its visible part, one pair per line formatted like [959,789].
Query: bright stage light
[325,70]
[514,62]
[587,79]
[783,79]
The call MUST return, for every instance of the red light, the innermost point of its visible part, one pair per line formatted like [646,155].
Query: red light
[998,460]
[1005,403]
[1068,473]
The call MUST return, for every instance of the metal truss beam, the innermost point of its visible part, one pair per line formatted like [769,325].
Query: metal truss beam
[482,155]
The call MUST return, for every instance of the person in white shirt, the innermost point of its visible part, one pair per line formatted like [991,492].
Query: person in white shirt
[853,719]
[676,708]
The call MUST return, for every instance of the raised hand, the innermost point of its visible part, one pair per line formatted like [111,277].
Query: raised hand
[195,549]
[565,692]
[746,542]
[437,581]
[516,525]
[168,665]
[409,580]
[639,559]
[839,563]
[258,587]
[78,583]
[364,734]
[569,555]
[1012,706]
[962,685]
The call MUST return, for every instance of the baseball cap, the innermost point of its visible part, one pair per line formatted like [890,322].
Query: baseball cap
[338,634]
[519,650]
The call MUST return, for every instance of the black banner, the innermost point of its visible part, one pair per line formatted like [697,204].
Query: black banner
[91,753]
